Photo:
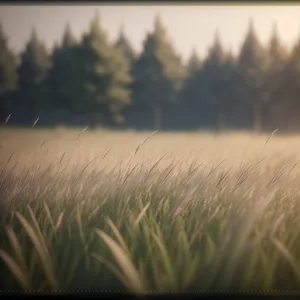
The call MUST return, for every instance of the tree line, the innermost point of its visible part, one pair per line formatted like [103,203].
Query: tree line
[94,81]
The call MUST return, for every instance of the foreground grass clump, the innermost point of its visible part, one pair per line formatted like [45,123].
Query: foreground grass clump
[88,214]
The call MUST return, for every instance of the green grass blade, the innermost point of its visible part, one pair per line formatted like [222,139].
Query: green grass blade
[129,272]
[16,270]
[41,250]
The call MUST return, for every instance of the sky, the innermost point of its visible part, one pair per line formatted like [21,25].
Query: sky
[188,26]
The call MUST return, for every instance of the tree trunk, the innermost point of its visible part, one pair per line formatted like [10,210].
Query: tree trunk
[33,110]
[221,121]
[291,124]
[157,117]
[257,118]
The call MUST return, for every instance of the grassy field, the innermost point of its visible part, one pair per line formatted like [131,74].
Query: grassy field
[137,212]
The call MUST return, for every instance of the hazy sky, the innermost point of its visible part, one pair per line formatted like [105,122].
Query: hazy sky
[188,26]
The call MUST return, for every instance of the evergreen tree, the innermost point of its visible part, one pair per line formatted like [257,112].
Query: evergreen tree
[230,58]
[8,66]
[287,89]
[33,69]
[277,54]
[252,65]
[209,90]
[194,62]
[60,80]
[100,76]
[276,59]
[125,47]
[68,40]
[8,74]
[218,83]
[189,110]
[158,74]
[216,54]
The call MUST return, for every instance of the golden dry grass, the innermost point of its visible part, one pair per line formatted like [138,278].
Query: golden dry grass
[145,194]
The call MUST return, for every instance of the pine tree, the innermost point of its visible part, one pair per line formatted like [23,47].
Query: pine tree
[217,82]
[100,76]
[252,65]
[68,40]
[188,107]
[194,62]
[230,58]
[216,54]
[252,55]
[8,74]
[277,54]
[60,80]
[276,59]
[158,73]
[287,90]
[33,69]
[8,66]
[208,91]
[125,47]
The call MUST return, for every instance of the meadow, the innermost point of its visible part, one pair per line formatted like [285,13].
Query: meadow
[133,212]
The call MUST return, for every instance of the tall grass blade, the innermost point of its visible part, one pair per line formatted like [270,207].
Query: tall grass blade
[7,119]
[113,269]
[48,213]
[142,213]
[18,251]
[118,235]
[133,281]
[82,132]
[287,255]
[35,122]
[166,260]
[16,270]
[145,140]
[42,252]
[59,221]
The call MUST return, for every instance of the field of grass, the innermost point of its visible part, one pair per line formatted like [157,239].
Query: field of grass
[161,212]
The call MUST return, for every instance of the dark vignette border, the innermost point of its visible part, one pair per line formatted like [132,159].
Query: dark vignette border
[113,295]
[116,295]
[156,2]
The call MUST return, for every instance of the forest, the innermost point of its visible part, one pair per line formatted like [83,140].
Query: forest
[96,82]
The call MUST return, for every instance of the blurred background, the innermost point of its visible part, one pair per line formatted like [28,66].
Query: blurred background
[151,67]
